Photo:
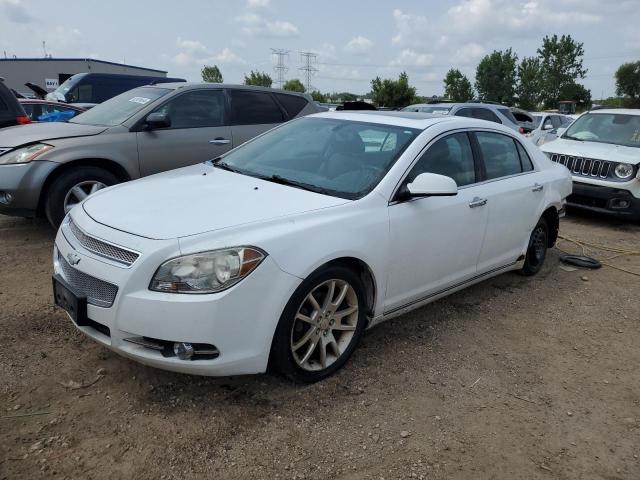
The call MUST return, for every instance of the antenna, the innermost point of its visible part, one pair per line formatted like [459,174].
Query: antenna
[280,66]
[309,60]
[44,48]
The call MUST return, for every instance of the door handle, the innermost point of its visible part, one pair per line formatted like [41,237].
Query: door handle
[537,188]
[220,141]
[477,202]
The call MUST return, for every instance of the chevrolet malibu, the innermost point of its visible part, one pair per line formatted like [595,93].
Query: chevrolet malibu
[281,252]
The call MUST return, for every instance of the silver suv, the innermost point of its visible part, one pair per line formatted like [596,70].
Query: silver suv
[48,168]
[483,111]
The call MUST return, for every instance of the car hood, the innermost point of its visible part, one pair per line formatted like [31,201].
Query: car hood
[595,150]
[41,132]
[197,199]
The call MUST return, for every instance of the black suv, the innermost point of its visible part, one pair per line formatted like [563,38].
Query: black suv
[11,112]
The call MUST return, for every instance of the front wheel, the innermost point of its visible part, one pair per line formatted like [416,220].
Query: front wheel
[537,250]
[320,326]
[73,186]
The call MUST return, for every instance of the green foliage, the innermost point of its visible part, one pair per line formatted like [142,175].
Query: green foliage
[496,77]
[392,93]
[318,96]
[211,73]
[628,83]
[529,87]
[561,62]
[577,92]
[457,87]
[260,79]
[294,85]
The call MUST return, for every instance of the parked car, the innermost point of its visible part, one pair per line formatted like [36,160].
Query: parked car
[546,127]
[524,119]
[602,151]
[48,111]
[99,87]
[11,113]
[47,168]
[482,111]
[285,249]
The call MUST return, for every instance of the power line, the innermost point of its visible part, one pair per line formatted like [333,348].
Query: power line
[280,67]
[309,60]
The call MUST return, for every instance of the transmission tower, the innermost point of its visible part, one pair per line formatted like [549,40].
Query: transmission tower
[308,60]
[280,67]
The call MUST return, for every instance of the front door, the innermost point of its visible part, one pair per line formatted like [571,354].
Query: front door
[435,241]
[199,131]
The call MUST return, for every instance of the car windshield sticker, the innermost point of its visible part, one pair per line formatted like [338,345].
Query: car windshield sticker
[141,100]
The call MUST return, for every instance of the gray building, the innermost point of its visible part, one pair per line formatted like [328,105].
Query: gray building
[48,73]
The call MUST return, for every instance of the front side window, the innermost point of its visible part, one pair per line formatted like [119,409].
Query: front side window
[450,156]
[331,156]
[616,128]
[499,153]
[254,108]
[194,109]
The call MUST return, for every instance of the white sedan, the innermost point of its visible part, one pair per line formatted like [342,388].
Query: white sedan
[283,251]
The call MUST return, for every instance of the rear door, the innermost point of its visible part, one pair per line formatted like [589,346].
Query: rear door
[253,112]
[514,193]
[199,131]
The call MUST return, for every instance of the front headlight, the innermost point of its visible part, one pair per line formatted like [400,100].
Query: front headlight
[206,272]
[623,170]
[24,155]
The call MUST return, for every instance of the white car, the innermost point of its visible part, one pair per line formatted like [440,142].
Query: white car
[284,250]
[602,150]
[546,127]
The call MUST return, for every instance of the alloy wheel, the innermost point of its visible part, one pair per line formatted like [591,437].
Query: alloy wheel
[324,325]
[79,192]
[538,244]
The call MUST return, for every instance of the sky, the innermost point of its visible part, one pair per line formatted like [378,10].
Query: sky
[354,40]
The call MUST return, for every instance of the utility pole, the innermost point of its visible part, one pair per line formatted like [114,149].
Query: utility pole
[308,60]
[280,66]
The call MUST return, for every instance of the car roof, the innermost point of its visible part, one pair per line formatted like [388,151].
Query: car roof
[417,120]
[192,85]
[625,111]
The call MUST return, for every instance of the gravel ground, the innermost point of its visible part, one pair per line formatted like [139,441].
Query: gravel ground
[514,378]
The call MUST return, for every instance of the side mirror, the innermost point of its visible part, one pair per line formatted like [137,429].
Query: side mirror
[546,126]
[432,185]
[157,120]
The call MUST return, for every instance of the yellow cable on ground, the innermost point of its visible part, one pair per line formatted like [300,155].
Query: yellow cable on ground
[619,252]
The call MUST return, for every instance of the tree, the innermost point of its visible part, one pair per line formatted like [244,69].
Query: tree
[529,89]
[561,62]
[392,93]
[211,74]
[628,83]
[496,77]
[457,87]
[294,85]
[578,93]
[261,79]
[318,96]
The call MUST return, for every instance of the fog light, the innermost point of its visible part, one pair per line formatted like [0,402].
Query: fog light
[184,351]
[6,198]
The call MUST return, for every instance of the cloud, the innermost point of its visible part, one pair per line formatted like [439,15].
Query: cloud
[258,26]
[410,57]
[257,3]
[359,45]
[194,52]
[16,12]
[412,30]
[191,45]
[469,53]
[227,56]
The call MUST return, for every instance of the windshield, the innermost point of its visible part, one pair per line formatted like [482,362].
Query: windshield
[616,128]
[69,83]
[118,109]
[331,156]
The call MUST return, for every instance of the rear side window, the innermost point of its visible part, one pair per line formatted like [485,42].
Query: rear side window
[450,156]
[464,112]
[485,114]
[199,108]
[253,108]
[291,103]
[509,114]
[499,153]
[525,160]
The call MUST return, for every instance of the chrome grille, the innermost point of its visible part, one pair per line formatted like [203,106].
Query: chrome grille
[587,167]
[104,249]
[98,292]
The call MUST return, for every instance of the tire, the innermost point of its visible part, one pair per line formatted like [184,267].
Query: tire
[537,250]
[336,333]
[60,191]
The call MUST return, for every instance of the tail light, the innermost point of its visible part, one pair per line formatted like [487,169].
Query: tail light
[23,120]
[521,130]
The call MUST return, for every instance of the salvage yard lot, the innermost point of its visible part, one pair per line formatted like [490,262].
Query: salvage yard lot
[512,378]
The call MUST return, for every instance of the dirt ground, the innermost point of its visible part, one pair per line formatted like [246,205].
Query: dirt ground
[514,378]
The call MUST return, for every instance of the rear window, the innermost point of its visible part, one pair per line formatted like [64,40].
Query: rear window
[293,104]
[254,108]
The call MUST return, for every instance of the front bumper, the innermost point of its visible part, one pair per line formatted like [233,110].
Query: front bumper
[24,183]
[239,322]
[604,199]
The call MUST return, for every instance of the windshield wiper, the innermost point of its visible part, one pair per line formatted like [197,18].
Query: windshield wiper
[293,183]
[216,162]
[569,137]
